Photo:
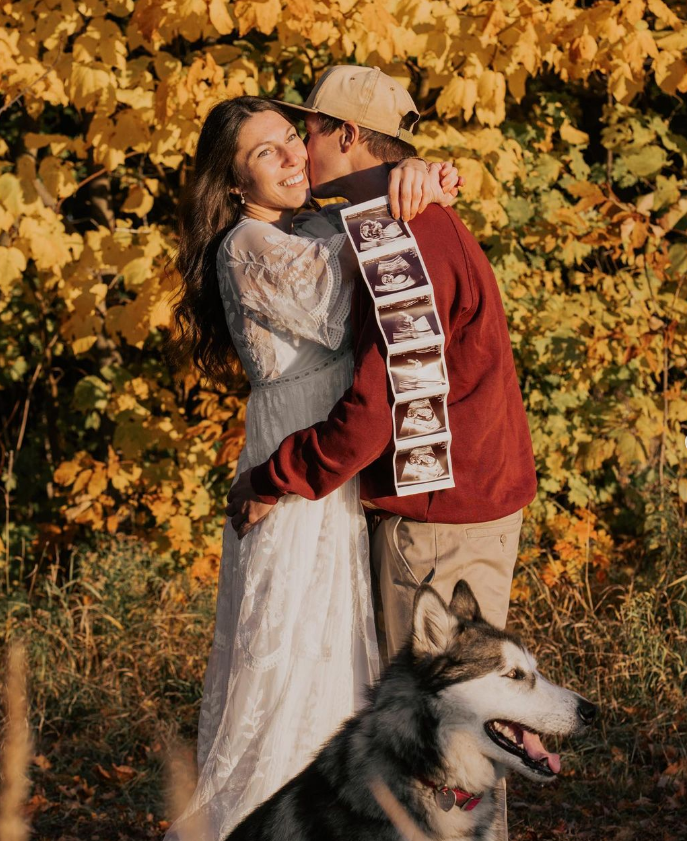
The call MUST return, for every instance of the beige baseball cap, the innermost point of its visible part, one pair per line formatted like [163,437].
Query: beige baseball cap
[365,96]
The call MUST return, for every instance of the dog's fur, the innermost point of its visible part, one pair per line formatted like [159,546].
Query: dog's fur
[427,719]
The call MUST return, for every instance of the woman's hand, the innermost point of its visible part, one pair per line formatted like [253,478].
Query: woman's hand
[244,507]
[449,182]
[445,183]
[413,185]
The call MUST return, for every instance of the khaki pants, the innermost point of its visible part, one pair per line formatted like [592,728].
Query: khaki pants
[404,552]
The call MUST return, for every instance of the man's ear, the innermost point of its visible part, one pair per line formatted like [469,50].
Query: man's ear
[433,624]
[350,136]
[464,605]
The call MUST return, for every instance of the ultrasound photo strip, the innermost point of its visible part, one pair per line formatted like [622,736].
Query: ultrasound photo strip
[418,373]
[389,277]
[396,276]
[424,465]
[425,417]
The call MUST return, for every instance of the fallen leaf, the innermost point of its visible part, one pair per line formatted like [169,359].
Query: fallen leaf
[124,773]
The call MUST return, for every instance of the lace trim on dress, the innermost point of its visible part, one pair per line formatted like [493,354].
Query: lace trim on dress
[334,321]
[271,382]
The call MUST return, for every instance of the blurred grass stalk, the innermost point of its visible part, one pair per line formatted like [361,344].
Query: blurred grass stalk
[181,781]
[16,751]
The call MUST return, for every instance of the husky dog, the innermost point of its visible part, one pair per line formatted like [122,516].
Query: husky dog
[460,706]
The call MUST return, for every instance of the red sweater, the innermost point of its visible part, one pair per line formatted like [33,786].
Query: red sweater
[491,450]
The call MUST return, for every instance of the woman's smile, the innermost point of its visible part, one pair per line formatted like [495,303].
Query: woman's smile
[294,180]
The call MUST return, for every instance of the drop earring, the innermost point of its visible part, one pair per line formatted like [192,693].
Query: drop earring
[243,200]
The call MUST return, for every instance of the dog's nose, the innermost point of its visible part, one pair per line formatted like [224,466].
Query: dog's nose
[586,711]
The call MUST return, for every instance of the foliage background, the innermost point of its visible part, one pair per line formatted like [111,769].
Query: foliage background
[568,122]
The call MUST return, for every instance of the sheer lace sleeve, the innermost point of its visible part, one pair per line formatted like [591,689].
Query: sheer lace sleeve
[288,283]
[325,222]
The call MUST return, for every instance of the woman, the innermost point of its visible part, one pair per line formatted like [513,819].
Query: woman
[294,643]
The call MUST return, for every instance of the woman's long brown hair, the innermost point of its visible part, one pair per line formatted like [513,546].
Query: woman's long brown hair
[207,212]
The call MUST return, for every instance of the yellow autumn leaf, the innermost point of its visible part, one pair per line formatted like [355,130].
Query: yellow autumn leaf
[192,19]
[458,96]
[517,83]
[98,481]
[206,568]
[257,14]
[167,65]
[629,449]
[572,135]
[57,142]
[663,13]
[58,177]
[622,83]
[138,201]
[46,241]
[164,146]
[584,48]
[491,98]
[92,86]
[82,333]
[11,196]
[201,503]
[495,20]
[671,73]
[220,16]
[132,321]
[82,480]
[131,130]
[12,265]
[180,531]
[135,272]
[67,472]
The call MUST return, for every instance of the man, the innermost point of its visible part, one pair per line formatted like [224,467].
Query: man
[358,120]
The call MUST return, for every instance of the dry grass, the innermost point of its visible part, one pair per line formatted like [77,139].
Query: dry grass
[624,645]
[406,827]
[118,646]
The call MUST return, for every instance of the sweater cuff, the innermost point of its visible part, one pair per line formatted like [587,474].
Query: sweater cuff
[263,485]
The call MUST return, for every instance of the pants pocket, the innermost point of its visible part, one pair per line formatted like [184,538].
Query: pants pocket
[415,547]
[501,530]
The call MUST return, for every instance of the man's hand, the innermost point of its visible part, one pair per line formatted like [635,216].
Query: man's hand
[412,186]
[244,507]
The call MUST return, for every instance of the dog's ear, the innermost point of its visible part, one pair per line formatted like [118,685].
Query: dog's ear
[433,623]
[464,604]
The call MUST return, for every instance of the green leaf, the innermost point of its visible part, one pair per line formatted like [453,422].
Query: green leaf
[90,393]
[646,162]
[519,211]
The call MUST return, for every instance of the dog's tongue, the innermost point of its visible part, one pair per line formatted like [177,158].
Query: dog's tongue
[535,750]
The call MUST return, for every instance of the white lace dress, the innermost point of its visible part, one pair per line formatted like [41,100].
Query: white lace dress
[294,642]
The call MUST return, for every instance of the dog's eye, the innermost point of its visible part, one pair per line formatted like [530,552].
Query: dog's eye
[515,674]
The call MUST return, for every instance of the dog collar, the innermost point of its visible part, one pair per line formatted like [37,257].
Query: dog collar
[447,798]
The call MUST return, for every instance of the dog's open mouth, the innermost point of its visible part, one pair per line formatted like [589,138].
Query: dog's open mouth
[525,744]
